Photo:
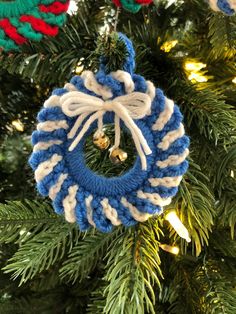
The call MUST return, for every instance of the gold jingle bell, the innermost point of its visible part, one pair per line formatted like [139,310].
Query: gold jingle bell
[117,156]
[101,140]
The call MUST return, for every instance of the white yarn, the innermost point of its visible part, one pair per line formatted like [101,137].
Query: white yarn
[57,187]
[88,201]
[125,78]
[70,87]
[91,83]
[173,160]
[110,212]
[46,167]
[232,4]
[154,198]
[170,137]
[136,214]
[164,116]
[50,126]
[46,145]
[69,204]
[52,101]
[213,5]
[151,90]
[128,107]
[166,181]
[117,133]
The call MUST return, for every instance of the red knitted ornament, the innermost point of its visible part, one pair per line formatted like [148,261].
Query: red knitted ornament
[143,2]
[117,3]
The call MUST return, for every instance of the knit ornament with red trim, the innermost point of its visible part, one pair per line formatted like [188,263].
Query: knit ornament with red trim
[131,5]
[23,20]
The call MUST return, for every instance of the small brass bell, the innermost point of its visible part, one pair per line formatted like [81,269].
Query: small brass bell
[102,141]
[117,156]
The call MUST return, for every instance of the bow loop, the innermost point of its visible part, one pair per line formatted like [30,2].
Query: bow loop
[74,103]
[135,105]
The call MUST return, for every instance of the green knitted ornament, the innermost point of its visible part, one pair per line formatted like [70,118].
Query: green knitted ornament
[132,6]
[23,20]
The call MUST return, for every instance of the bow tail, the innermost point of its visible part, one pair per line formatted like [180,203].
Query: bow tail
[139,140]
[117,132]
[138,145]
[77,124]
[85,128]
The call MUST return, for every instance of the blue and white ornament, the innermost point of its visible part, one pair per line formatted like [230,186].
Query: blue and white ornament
[84,105]
[228,7]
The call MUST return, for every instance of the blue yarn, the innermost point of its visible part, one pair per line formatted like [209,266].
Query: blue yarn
[57,203]
[59,91]
[100,187]
[140,84]
[224,6]
[99,219]
[51,114]
[45,185]
[163,191]
[81,211]
[42,136]
[123,214]
[157,107]
[144,205]
[41,156]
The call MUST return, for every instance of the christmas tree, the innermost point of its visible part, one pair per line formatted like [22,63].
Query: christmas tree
[47,264]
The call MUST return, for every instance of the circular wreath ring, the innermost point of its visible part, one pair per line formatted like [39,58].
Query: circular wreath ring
[23,20]
[72,113]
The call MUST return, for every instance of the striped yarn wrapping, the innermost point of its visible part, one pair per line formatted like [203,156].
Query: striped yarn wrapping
[93,200]
[23,20]
[227,7]
[131,5]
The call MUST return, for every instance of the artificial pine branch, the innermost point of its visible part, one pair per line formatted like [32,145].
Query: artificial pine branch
[219,296]
[17,219]
[133,270]
[85,255]
[222,30]
[207,110]
[42,251]
[195,205]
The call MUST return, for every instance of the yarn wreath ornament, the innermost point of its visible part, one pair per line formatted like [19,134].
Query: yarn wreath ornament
[23,20]
[131,5]
[227,7]
[83,106]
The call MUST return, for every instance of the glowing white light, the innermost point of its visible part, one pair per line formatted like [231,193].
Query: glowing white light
[178,226]
[170,249]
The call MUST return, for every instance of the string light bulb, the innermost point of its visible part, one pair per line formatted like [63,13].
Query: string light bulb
[18,125]
[193,71]
[194,66]
[234,80]
[168,45]
[177,225]
[79,67]
[170,249]
[197,77]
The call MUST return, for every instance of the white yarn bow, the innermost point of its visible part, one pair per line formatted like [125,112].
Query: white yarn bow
[127,108]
